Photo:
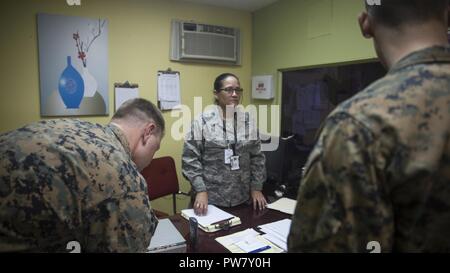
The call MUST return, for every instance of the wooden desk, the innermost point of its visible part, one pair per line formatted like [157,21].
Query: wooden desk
[249,219]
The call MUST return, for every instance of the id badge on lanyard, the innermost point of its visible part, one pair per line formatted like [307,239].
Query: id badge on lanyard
[234,163]
[230,156]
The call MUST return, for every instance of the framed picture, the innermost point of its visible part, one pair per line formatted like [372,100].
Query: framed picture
[73,65]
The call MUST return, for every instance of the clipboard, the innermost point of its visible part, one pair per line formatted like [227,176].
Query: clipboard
[126,84]
[224,224]
[123,92]
[168,71]
[169,96]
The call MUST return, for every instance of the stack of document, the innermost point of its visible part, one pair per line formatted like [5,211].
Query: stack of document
[285,205]
[277,232]
[247,241]
[214,220]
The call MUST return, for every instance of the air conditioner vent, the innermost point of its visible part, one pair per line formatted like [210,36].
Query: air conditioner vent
[192,42]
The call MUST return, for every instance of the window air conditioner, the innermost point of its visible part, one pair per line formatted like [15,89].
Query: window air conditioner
[192,42]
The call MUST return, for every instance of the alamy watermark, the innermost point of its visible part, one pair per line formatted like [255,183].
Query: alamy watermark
[73,2]
[373,2]
[374,247]
[74,247]
[250,120]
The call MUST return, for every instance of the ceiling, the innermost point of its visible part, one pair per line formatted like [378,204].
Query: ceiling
[246,5]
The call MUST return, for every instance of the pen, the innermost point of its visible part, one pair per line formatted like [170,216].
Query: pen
[260,249]
[225,221]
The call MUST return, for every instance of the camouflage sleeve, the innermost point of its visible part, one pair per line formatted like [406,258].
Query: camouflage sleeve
[342,202]
[191,165]
[123,224]
[257,165]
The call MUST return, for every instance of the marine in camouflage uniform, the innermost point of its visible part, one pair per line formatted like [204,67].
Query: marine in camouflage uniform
[203,160]
[70,180]
[380,170]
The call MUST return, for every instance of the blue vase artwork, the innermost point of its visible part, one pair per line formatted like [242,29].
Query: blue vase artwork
[71,86]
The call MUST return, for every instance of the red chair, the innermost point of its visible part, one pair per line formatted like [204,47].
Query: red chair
[162,180]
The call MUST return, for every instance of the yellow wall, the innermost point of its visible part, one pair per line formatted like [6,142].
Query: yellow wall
[286,35]
[294,34]
[139,42]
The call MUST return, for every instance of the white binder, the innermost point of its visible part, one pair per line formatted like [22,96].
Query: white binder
[215,220]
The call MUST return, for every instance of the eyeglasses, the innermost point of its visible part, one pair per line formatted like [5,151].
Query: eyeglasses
[230,90]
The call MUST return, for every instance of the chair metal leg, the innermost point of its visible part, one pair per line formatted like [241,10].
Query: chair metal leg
[174,199]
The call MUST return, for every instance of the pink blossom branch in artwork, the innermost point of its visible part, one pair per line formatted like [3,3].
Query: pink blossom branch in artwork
[82,51]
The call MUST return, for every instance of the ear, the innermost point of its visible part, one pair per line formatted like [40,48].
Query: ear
[365,25]
[149,130]
[215,95]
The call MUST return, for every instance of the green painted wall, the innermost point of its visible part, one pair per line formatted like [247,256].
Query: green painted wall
[293,34]
[139,39]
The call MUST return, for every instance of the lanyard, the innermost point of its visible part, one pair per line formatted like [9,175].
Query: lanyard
[233,146]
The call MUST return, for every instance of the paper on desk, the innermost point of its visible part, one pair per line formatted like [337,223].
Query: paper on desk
[238,236]
[232,242]
[277,232]
[275,240]
[251,244]
[274,233]
[281,227]
[213,215]
[284,204]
